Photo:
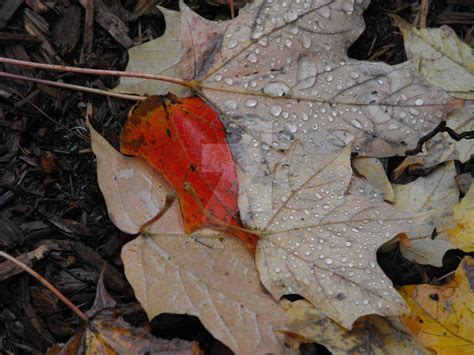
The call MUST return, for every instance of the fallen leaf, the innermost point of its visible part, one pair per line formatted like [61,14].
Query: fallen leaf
[159,56]
[177,273]
[186,142]
[442,147]
[280,72]
[435,194]
[104,333]
[445,60]
[320,243]
[130,185]
[442,317]
[370,334]
[207,275]
[462,236]
[374,173]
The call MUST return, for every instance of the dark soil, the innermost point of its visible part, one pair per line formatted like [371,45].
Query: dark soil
[48,188]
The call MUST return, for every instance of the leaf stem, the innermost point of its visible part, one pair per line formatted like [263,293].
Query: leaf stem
[72,87]
[46,284]
[90,71]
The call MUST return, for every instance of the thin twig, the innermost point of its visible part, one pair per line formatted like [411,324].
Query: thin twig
[90,71]
[425,5]
[46,284]
[72,87]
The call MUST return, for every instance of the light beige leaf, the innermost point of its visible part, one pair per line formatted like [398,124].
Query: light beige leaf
[280,72]
[374,174]
[159,56]
[445,60]
[442,147]
[212,277]
[436,194]
[319,242]
[370,334]
[134,190]
[208,275]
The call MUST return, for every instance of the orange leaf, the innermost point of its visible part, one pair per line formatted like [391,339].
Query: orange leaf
[186,142]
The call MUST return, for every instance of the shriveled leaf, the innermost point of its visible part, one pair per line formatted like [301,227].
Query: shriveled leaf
[107,334]
[318,242]
[374,174]
[186,142]
[370,334]
[133,189]
[159,56]
[442,147]
[280,71]
[435,194]
[462,236]
[442,317]
[210,276]
[445,60]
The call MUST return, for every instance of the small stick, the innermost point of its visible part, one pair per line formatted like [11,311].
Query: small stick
[170,198]
[90,71]
[72,87]
[425,5]
[46,284]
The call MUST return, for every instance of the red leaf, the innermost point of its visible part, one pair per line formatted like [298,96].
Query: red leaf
[186,142]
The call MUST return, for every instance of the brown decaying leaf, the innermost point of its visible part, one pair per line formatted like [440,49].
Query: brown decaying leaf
[107,334]
[208,275]
[370,334]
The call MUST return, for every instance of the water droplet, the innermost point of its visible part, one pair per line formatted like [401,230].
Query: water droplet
[328,261]
[232,44]
[324,12]
[419,102]
[218,77]
[276,89]
[252,58]
[354,75]
[315,127]
[292,15]
[251,102]
[356,124]
[277,270]
[275,110]
[228,81]
[230,104]
[348,244]
[291,127]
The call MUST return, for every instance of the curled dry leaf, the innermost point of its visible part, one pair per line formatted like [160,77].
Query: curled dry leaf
[208,275]
[442,147]
[107,334]
[186,142]
[319,242]
[445,60]
[435,194]
[374,174]
[370,334]
[442,317]
[462,235]
[159,56]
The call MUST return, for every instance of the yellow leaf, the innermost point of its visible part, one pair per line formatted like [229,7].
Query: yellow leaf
[445,60]
[462,235]
[442,317]
[370,334]
[374,173]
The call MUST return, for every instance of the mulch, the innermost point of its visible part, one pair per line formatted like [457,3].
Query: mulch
[52,214]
